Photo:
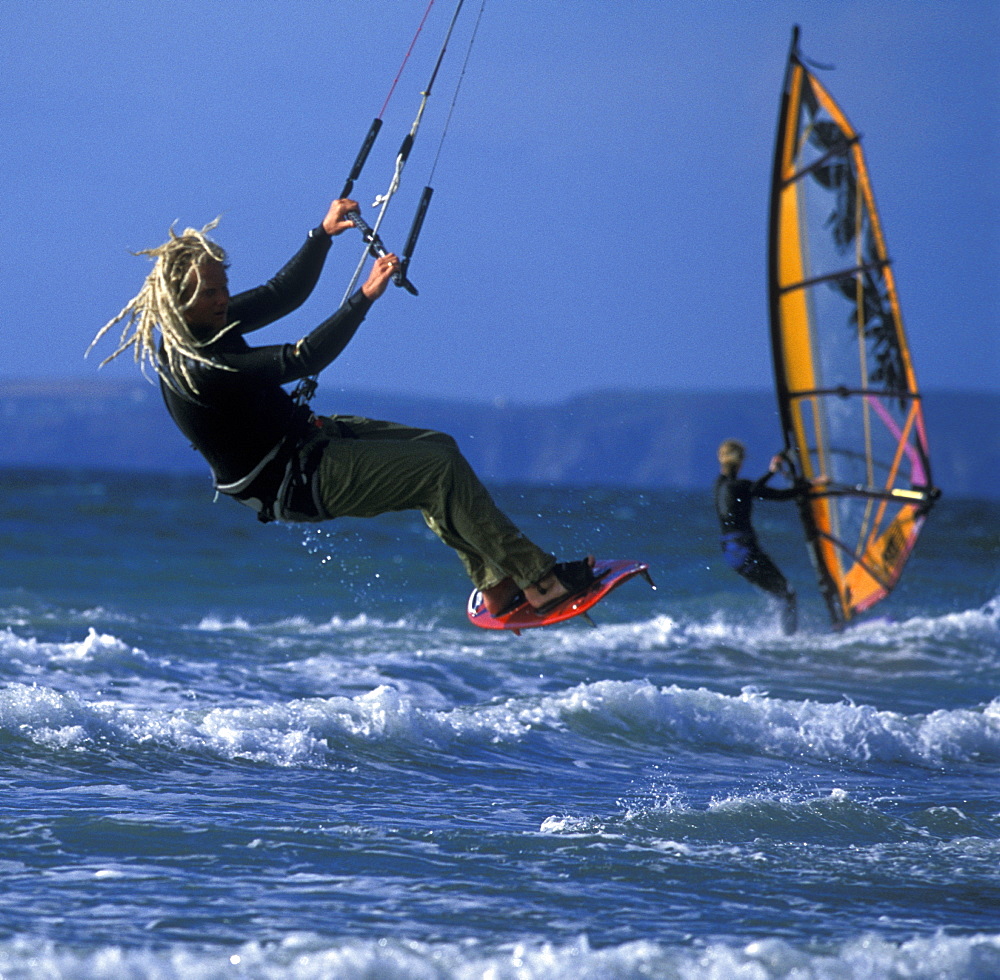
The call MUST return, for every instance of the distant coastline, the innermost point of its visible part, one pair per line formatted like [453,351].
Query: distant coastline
[651,440]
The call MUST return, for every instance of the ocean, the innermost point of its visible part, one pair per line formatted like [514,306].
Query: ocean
[231,750]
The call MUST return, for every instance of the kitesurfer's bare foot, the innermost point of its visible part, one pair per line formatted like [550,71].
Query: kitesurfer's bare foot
[500,597]
[566,579]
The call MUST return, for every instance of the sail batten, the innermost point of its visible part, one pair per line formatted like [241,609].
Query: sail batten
[834,276]
[847,394]
[816,164]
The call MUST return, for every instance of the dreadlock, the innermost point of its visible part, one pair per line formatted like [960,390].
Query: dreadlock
[160,305]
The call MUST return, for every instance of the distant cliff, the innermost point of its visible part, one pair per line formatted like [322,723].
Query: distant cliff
[636,439]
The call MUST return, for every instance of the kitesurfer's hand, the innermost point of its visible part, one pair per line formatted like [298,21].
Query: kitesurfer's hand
[335,222]
[380,275]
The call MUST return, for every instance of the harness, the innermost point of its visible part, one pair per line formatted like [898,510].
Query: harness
[284,486]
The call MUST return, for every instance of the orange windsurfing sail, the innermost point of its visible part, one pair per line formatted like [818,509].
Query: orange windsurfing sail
[847,393]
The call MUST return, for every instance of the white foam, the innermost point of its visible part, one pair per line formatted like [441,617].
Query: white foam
[980,625]
[309,957]
[303,731]
[300,626]
[755,722]
[93,647]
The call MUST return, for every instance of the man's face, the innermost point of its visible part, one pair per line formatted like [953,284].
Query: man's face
[209,309]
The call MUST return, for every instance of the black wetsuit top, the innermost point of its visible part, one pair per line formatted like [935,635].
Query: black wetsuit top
[240,419]
[733,502]
[734,499]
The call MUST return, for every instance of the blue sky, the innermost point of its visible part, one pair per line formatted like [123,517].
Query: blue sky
[599,215]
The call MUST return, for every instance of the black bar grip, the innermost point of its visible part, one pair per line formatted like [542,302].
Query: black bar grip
[362,156]
[418,223]
[372,240]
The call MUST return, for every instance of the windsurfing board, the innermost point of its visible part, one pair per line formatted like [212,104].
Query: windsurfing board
[608,575]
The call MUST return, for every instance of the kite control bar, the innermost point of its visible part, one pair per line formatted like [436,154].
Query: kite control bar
[370,236]
[378,249]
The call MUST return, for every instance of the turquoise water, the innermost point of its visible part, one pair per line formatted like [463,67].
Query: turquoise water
[231,750]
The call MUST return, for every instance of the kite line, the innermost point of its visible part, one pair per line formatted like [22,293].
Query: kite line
[370,233]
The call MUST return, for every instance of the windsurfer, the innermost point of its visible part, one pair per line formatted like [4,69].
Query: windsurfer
[274,455]
[743,553]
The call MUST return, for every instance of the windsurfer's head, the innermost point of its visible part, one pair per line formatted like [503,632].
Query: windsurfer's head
[731,454]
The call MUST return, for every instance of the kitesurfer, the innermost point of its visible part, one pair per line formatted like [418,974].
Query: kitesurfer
[733,502]
[275,455]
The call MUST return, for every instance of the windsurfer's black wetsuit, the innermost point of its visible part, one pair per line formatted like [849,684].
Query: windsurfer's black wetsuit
[733,503]
[240,419]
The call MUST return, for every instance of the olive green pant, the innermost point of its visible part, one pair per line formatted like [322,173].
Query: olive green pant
[389,467]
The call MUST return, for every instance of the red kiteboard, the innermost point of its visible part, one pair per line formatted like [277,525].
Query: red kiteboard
[608,575]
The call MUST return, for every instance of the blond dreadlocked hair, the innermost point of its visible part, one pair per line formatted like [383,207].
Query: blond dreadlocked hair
[159,306]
